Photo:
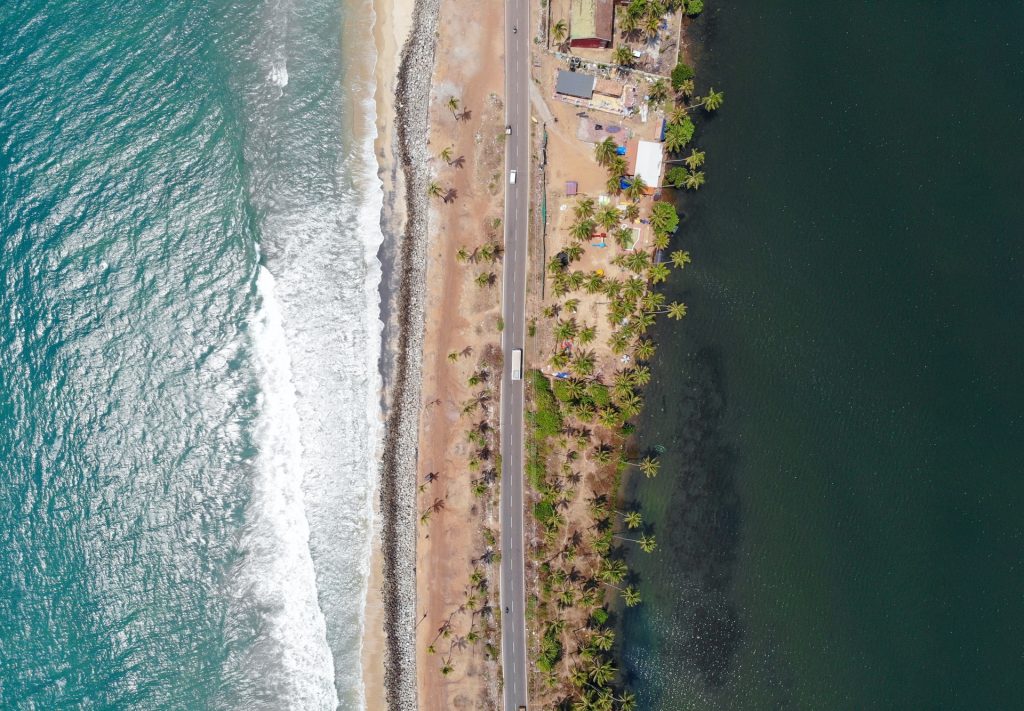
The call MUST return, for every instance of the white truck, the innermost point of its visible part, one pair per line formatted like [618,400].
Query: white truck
[517,364]
[512,177]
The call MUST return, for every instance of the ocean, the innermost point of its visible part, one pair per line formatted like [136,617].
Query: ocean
[189,341]
[839,504]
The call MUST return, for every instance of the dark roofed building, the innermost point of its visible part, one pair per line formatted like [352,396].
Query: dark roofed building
[575,84]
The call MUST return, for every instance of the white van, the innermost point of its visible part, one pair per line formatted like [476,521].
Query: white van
[512,178]
[517,364]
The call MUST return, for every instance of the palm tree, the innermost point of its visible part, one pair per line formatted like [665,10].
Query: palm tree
[675,138]
[453,106]
[446,155]
[462,255]
[573,252]
[637,261]
[649,466]
[594,283]
[583,364]
[631,596]
[559,31]
[612,570]
[657,273]
[636,188]
[578,677]
[695,159]
[660,240]
[623,56]
[658,91]
[644,350]
[587,334]
[608,217]
[581,230]
[447,668]
[676,311]
[651,24]
[565,330]
[613,185]
[602,672]
[632,212]
[624,237]
[584,208]
[640,375]
[633,519]
[603,639]
[694,180]
[434,189]
[627,701]
[647,543]
[714,100]
[604,151]
[618,165]
[686,87]
[680,258]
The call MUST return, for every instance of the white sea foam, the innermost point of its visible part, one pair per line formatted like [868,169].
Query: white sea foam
[278,576]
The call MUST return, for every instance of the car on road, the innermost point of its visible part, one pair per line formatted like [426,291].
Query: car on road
[508,130]
[512,177]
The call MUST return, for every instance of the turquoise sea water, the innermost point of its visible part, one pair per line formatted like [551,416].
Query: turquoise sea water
[839,509]
[188,340]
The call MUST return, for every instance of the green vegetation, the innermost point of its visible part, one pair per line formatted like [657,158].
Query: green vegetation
[682,73]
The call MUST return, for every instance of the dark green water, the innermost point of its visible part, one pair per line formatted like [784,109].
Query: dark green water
[839,509]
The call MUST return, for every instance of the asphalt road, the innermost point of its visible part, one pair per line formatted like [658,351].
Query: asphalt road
[513,311]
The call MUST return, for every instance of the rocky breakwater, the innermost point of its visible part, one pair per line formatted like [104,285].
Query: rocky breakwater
[398,465]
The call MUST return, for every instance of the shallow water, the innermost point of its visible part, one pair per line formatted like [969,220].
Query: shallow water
[189,334]
[838,509]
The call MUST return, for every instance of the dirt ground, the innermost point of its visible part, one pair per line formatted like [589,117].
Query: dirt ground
[463,319]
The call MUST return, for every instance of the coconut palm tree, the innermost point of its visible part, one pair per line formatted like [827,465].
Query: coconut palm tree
[559,31]
[694,180]
[565,330]
[640,375]
[651,24]
[603,639]
[573,252]
[680,258]
[714,100]
[623,56]
[583,363]
[644,350]
[608,217]
[446,154]
[658,91]
[604,151]
[660,240]
[636,189]
[613,186]
[584,208]
[631,596]
[617,165]
[447,668]
[632,212]
[633,519]
[453,106]
[587,334]
[626,701]
[581,230]
[657,273]
[594,283]
[612,570]
[676,137]
[462,255]
[624,237]
[676,311]
[695,159]
[434,189]
[636,262]
[602,672]
[649,466]
[647,543]
[571,305]
[686,87]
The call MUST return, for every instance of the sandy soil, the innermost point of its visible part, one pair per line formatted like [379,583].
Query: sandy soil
[391,27]
[463,318]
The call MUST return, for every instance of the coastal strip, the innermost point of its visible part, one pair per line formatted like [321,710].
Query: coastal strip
[398,462]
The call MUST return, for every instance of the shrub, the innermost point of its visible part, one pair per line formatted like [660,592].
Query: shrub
[546,417]
[682,72]
[599,394]
[694,7]
[561,390]
[599,616]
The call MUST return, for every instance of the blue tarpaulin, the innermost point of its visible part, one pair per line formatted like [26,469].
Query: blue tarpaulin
[623,183]
[620,151]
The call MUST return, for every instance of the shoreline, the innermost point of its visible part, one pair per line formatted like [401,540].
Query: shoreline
[391,590]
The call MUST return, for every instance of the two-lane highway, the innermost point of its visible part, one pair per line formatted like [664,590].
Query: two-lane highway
[513,311]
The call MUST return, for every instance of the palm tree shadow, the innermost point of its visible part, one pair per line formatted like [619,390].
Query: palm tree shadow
[450,195]
[466,115]
[459,162]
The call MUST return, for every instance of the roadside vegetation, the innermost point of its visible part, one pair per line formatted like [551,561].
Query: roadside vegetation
[582,402]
